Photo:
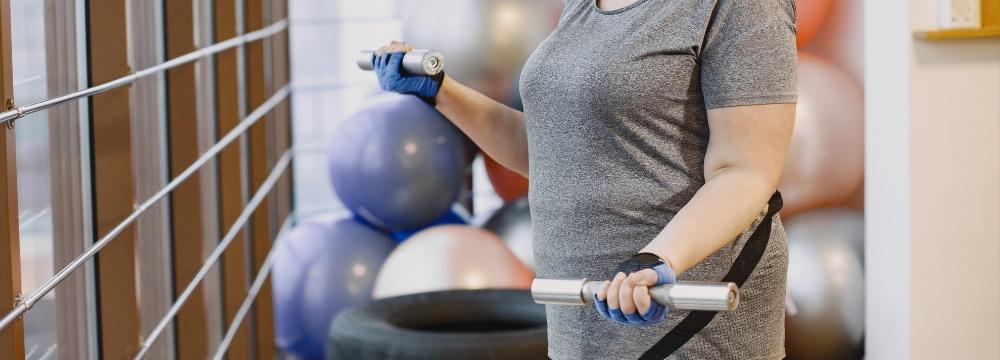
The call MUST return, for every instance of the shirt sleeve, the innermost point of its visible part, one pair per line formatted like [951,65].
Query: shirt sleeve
[749,54]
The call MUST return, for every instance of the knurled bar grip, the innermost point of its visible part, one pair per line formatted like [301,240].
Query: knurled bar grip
[416,62]
[707,296]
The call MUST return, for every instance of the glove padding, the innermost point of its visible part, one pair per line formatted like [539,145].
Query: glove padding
[388,68]
[656,312]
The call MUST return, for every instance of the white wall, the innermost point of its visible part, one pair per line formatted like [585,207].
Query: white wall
[955,167]
[326,37]
[887,180]
[933,185]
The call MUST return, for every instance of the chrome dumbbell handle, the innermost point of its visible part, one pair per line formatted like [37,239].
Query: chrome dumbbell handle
[706,296]
[417,61]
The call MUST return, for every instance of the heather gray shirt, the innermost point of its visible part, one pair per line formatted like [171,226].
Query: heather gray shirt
[615,107]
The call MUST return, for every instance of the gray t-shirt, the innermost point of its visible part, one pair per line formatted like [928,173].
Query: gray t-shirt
[615,107]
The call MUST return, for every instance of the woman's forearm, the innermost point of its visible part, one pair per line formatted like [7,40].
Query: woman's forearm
[723,208]
[496,128]
[742,165]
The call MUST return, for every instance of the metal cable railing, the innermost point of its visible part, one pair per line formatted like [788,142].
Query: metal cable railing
[265,188]
[16,113]
[241,313]
[263,273]
[265,269]
[29,301]
[8,117]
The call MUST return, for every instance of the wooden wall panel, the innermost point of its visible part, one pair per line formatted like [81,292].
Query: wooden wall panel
[260,167]
[11,338]
[112,178]
[282,112]
[212,284]
[235,260]
[186,200]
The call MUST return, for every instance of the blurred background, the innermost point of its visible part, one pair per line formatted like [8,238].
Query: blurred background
[891,185]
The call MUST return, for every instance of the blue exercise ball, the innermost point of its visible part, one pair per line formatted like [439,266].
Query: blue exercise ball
[321,268]
[398,163]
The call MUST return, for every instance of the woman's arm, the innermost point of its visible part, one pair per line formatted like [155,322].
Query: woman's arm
[745,155]
[496,128]
[746,152]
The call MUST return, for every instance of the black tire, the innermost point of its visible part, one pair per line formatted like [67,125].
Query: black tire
[458,324]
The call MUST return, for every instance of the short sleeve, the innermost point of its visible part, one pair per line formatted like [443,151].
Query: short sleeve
[749,54]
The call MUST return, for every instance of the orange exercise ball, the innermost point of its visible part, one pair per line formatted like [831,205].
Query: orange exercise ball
[856,200]
[825,160]
[810,16]
[841,40]
[448,257]
[507,183]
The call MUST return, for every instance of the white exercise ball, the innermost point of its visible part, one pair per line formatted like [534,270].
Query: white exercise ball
[449,257]
[825,286]
[484,42]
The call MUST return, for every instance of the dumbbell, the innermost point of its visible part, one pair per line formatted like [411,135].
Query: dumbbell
[416,62]
[707,296]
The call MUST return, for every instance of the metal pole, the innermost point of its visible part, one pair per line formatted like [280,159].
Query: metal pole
[19,112]
[37,295]
[258,197]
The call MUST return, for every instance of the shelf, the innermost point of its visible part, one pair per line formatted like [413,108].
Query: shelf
[956,34]
[990,10]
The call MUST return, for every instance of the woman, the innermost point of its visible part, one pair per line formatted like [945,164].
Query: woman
[653,135]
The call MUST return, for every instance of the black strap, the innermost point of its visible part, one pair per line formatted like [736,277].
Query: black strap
[432,101]
[742,267]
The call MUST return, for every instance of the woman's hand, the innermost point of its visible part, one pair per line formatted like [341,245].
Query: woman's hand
[626,299]
[496,128]
[388,66]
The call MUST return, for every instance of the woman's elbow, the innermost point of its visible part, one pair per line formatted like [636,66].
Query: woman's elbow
[764,177]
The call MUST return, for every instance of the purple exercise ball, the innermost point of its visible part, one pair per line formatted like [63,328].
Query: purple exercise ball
[397,162]
[321,268]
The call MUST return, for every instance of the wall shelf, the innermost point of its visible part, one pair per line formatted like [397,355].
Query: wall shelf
[990,12]
[954,34]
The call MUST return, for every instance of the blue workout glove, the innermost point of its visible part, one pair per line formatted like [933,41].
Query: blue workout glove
[656,313]
[388,68]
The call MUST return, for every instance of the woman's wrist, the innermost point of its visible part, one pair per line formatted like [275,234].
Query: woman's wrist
[666,256]
[445,92]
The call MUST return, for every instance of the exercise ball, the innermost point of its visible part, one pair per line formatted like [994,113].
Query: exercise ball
[513,223]
[321,268]
[841,39]
[449,257]
[397,162]
[857,198]
[484,42]
[809,18]
[508,184]
[825,160]
[831,224]
[456,216]
[825,286]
